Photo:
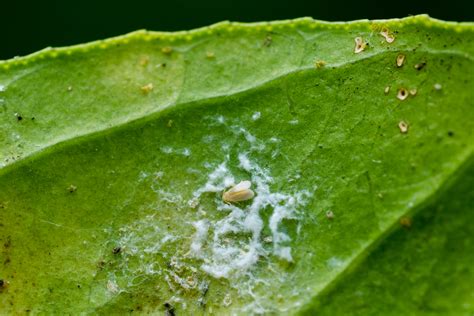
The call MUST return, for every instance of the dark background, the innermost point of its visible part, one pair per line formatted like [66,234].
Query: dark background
[28,26]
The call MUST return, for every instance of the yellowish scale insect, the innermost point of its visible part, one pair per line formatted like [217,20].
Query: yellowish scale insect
[238,193]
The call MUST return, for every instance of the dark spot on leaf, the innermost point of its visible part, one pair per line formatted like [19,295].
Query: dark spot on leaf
[169,309]
[450,133]
[117,250]
[420,66]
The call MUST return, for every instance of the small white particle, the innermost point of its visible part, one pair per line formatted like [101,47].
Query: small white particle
[438,86]
[293,122]
[167,150]
[335,262]
[220,119]
[2,88]
[186,152]
[256,116]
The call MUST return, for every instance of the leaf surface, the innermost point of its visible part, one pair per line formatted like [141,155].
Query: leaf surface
[115,154]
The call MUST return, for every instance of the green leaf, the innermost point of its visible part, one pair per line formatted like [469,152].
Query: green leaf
[115,154]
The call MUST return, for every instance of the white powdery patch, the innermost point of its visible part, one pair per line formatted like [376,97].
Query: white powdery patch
[232,245]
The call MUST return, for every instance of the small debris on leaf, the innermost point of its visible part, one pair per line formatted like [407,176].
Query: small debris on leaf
[210,55]
[147,88]
[167,50]
[144,61]
[386,90]
[69,88]
[3,284]
[413,92]
[437,86]
[320,64]
[406,222]
[420,66]
[72,188]
[117,250]
[169,309]
[387,35]
[360,45]
[268,41]
[329,214]
[403,126]
[400,60]
[402,94]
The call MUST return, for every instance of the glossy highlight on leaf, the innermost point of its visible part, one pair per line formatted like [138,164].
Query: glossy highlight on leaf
[356,138]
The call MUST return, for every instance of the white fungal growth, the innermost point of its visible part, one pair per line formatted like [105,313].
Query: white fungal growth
[225,257]
[202,228]
[189,239]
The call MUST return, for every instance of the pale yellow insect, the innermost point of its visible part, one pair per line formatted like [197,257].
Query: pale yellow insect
[238,193]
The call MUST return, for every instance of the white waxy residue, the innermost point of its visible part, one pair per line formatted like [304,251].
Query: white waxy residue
[226,256]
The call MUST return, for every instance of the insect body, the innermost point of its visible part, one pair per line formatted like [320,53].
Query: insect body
[239,192]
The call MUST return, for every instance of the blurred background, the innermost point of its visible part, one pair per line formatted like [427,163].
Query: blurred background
[28,26]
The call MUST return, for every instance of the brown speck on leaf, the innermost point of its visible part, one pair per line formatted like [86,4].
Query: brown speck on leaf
[329,214]
[360,45]
[116,250]
[319,64]
[210,55]
[72,188]
[420,66]
[268,41]
[3,284]
[144,61]
[169,309]
[147,88]
[387,35]
[402,94]
[386,90]
[400,60]
[406,222]
[101,264]
[403,126]
[167,50]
